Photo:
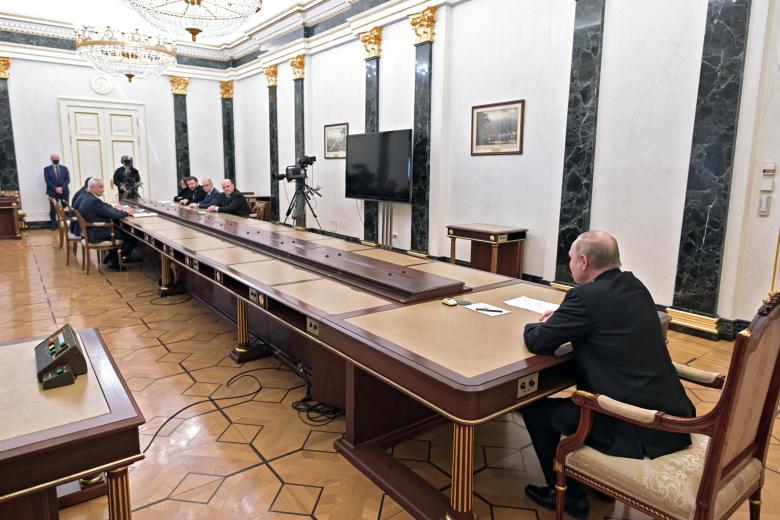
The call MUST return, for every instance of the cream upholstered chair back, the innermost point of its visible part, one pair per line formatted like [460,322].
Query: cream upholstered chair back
[749,400]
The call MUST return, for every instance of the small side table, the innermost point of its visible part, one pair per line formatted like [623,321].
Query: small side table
[498,249]
[9,215]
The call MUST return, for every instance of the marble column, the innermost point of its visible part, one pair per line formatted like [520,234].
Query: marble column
[423,24]
[271,74]
[9,176]
[179,88]
[228,135]
[580,148]
[298,66]
[712,156]
[372,40]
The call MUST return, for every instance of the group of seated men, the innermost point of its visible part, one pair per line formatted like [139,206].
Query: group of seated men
[208,197]
[94,210]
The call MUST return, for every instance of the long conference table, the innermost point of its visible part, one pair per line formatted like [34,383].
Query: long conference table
[367,328]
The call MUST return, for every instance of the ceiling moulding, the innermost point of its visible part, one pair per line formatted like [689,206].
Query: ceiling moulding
[299,17]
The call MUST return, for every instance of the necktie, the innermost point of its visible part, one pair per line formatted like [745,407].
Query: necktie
[57,172]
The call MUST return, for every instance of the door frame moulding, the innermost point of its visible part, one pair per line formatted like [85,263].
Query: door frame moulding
[65,103]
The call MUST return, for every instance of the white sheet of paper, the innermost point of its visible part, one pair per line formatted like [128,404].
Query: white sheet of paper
[476,306]
[144,214]
[532,305]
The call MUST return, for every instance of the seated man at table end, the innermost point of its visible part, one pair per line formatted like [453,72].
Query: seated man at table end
[620,351]
[233,201]
[212,196]
[95,210]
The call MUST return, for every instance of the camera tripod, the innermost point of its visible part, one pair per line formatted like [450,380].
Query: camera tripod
[301,199]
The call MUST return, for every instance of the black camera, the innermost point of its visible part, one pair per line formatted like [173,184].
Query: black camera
[297,172]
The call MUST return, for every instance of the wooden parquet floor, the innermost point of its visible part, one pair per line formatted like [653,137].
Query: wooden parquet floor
[227,457]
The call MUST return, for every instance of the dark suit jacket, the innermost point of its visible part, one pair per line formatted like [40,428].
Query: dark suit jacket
[212,198]
[119,176]
[235,204]
[620,352]
[196,195]
[95,210]
[51,182]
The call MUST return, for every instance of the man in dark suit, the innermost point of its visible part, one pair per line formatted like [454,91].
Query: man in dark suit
[212,196]
[619,349]
[57,179]
[95,210]
[233,201]
[194,192]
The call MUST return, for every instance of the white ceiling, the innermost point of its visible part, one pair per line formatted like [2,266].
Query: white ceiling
[119,15]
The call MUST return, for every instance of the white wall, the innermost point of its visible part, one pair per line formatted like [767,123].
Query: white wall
[250,116]
[643,140]
[204,127]
[34,88]
[503,50]
[343,104]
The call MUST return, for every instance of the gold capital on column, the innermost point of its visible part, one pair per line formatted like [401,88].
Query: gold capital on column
[423,24]
[226,89]
[372,41]
[5,64]
[298,63]
[271,73]
[179,85]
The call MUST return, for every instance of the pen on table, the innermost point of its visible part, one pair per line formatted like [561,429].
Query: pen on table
[488,310]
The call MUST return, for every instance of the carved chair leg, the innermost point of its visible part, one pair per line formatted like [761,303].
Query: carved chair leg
[755,505]
[121,262]
[100,260]
[89,259]
[560,490]
[67,254]
[83,258]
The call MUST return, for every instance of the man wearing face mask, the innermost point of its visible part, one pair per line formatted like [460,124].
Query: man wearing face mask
[57,179]
[125,176]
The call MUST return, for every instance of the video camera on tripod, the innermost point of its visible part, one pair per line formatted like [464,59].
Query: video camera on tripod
[297,172]
[303,192]
[128,188]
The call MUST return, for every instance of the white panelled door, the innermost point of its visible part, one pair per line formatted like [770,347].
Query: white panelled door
[96,135]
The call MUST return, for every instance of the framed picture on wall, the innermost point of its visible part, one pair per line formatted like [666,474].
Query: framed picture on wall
[497,129]
[336,141]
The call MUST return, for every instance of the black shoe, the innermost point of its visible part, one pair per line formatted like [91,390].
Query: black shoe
[129,260]
[545,496]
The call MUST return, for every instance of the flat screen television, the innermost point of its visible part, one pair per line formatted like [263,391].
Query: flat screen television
[379,166]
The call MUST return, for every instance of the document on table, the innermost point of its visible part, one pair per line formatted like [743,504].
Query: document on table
[486,309]
[532,305]
[143,214]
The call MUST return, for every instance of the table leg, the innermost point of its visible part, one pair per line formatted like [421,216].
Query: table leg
[452,250]
[246,350]
[168,286]
[118,494]
[493,258]
[461,501]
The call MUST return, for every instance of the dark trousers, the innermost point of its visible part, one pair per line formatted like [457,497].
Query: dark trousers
[128,243]
[546,421]
[53,213]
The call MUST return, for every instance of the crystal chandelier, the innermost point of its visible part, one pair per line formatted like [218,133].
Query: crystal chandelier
[132,54]
[212,17]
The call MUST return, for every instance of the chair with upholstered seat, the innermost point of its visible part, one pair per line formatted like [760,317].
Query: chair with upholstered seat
[63,222]
[57,207]
[722,468]
[100,247]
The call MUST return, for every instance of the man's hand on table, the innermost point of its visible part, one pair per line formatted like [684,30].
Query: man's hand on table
[212,208]
[193,205]
[546,316]
[183,202]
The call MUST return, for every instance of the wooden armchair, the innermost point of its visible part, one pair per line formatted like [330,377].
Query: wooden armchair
[100,247]
[722,468]
[63,224]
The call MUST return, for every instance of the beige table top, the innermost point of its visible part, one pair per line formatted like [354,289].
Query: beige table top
[202,243]
[331,297]
[392,257]
[155,223]
[343,245]
[262,224]
[26,408]
[451,336]
[179,233]
[274,272]
[234,255]
[473,278]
